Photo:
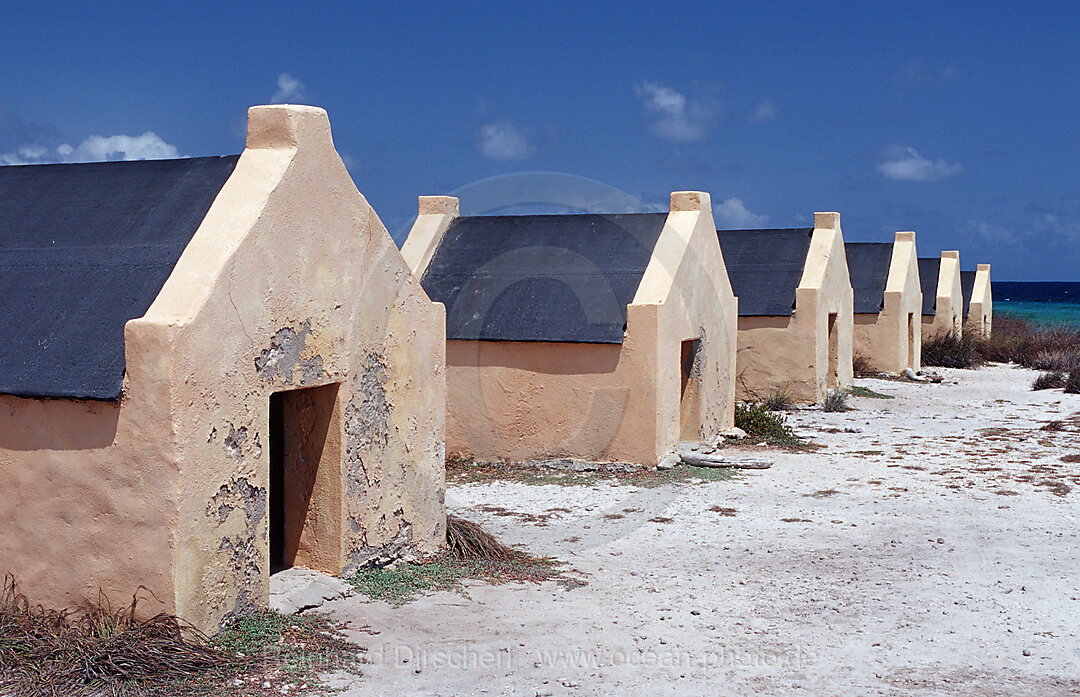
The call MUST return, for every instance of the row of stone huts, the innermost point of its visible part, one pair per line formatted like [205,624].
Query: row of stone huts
[216,367]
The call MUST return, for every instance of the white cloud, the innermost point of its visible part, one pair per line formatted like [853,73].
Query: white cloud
[903,163]
[674,116]
[502,141]
[26,155]
[732,214]
[765,111]
[1055,225]
[147,146]
[989,232]
[289,90]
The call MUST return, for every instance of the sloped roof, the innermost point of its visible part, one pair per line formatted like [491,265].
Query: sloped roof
[83,249]
[967,285]
[928,278]
[765,267]
[868,265]
[564,278]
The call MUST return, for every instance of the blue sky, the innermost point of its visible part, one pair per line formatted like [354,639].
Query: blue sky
[961,123]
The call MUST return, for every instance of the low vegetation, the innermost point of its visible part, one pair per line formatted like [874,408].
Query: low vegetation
[1053,349]
[779,400]
[952,350]
[835,400]
[1032,346]
[1049,380]
[1072,383]
[861,366]
[759,422]
[472,553]
[859,391]
[101,650]
[466,471]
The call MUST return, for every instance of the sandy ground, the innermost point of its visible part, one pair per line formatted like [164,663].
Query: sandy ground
[917,552]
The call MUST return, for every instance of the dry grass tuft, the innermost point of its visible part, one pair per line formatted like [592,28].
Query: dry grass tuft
[100,650]
[952,351]
[1049,381]
[469,541]
[835,400]
[779,400]
[1072,383]
[861,366]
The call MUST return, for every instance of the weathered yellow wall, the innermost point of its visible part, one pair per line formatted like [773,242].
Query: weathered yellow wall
[792,353]
[981,306]
[530,401]
[87,502]
[949,309]
[291,281]
[883,338]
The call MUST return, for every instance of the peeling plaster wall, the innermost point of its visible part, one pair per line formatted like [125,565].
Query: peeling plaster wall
[291,281]
[949,309]
[792,353]
[534,400]
[883,337]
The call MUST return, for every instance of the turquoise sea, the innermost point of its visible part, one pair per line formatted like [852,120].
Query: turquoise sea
[1042,302]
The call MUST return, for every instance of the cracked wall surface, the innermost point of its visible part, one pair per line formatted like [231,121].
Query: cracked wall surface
[291,281]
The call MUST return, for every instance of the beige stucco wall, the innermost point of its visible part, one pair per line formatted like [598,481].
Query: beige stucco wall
[792,353]
[290,281]
[981,306]
[949,308]
[537,400]
[892,338]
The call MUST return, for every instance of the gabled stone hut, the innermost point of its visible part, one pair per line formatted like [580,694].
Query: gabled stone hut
[212,367]
[888,302]
[795,309]
[592,337]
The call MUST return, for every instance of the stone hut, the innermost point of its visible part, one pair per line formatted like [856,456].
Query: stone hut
[212,367]
[795,309]
[942,306]
[591,337]
[888,302]
[978,301]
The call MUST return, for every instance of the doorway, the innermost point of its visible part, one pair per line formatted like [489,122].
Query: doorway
[690,390]
[305,479]
[833,380]
[911,329]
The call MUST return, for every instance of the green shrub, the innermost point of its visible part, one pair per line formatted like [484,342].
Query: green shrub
[759,422]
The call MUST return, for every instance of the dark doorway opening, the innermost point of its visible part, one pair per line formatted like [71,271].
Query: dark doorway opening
[690,390]
[304,489]
[912,327]
[834,352]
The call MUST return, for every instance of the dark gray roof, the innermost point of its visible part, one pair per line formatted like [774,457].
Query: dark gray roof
[83,249]
[868,265]
[928,277]
[541,277]
[765,267]
[967,285]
